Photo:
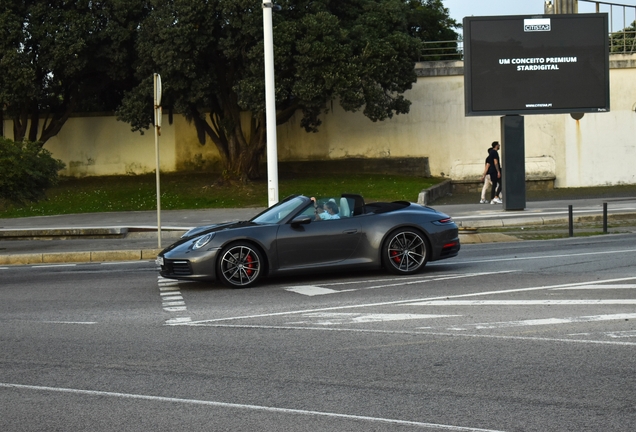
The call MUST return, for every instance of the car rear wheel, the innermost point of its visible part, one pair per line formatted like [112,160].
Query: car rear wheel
[405,252]
[241,265]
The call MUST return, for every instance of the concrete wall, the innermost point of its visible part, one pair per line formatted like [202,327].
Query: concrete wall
[597,150]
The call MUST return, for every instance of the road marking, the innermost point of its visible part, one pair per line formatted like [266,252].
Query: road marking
[332,318]
[598,286]
[178,320]
[621,334]
[422,333]
[456,262]
[172,300]
[247,407]
[173,303]
[405,302]
[171,296]
[69,322]
[545,321]
[521,302]
[175,309]
[54,265]
[312,290]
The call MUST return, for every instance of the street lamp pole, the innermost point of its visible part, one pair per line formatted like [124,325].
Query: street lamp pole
[270,104]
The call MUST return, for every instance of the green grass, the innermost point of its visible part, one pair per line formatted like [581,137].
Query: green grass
[200,191]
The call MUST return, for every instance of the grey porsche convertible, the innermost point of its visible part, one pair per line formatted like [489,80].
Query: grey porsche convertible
[303,234]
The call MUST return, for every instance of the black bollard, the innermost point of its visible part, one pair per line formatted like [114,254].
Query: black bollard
[570,221]
[604,218]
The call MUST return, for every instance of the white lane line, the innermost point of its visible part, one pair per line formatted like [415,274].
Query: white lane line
[442,278]
[248,407]
[171,296]
[420,333]
[598,286]
[173,303]
[331,318]
[175,309]
[546,321]
[311,290]
[401,278]
[621,334]
[168,289]
[455,262]
[522,302]
[69,322]
[178,320]
[405,302]
[53,265]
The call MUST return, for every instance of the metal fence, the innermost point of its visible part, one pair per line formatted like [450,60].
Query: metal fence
[622,23]
[622,36]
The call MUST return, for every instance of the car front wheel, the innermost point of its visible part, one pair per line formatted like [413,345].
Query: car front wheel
[405,252]
[241,265]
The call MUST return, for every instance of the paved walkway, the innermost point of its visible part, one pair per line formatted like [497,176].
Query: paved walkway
[128,236]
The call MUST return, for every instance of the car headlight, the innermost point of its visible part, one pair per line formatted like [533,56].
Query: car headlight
[202,241]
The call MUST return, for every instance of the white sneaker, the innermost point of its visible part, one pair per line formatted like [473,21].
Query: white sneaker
[483,202]
[496,201]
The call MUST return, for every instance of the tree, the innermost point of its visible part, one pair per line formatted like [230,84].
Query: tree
[209,53]
[57,57]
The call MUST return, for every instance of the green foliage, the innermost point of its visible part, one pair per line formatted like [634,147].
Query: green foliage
[26,171]
[57,57]
[358,53]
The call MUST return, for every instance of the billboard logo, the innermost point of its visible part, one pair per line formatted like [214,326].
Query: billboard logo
[536,25]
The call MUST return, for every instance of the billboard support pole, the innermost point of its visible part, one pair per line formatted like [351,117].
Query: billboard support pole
[513,167]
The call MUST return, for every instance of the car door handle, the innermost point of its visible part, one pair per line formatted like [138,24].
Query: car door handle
[350,231]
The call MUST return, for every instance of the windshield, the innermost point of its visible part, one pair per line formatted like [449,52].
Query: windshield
[279,211]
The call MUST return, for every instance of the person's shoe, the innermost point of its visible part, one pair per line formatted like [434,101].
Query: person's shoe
[483,202]
[496,201]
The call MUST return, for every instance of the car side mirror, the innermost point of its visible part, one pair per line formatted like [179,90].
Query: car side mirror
[301,220]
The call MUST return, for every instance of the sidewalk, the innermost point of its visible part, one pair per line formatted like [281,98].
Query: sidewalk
[128,236]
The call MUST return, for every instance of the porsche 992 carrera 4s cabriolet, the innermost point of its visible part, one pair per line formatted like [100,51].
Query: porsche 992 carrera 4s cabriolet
[303,234]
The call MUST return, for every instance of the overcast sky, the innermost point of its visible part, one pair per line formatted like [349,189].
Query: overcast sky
[460,8]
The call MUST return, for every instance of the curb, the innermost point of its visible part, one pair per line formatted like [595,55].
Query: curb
[535,220]
[429,195]
[62,233]
[80,257]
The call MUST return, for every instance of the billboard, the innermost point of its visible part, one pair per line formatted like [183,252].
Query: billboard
[544,64]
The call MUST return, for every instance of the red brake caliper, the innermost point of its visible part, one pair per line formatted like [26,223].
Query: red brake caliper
[250,264]
[395,257]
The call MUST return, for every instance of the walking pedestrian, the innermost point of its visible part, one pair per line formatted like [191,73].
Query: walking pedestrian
[485,178]
[494,172]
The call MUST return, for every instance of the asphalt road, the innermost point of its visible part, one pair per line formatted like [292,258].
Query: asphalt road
[527,336]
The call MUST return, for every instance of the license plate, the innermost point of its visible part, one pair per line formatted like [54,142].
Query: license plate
[159,261]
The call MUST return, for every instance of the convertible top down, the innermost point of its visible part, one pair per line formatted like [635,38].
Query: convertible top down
[302,234]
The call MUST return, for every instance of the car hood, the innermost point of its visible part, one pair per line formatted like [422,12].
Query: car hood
[205,229]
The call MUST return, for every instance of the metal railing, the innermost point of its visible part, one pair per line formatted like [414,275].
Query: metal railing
[622,36]
[622,23]
[443,50]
